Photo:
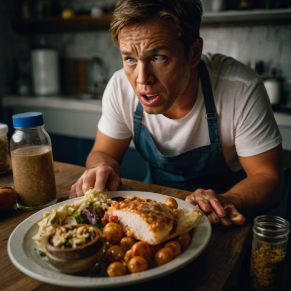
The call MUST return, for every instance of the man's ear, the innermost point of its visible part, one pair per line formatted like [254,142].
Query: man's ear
[195,52]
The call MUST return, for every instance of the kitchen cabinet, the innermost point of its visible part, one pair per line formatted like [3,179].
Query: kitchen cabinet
[210,19]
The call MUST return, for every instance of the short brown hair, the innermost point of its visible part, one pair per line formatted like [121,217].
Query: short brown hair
[186,15]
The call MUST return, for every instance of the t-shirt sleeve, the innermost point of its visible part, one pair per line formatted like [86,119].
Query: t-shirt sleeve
[112,122]
[256,130]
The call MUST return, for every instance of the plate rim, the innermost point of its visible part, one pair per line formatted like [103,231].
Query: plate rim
[93,282]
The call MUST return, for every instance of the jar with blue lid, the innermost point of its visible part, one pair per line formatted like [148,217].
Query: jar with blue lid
[32,162]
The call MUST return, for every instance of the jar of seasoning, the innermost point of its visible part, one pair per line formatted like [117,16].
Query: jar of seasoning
[269,246]
[4,154]
[32,162]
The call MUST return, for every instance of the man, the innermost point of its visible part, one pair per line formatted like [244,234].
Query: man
[197,120]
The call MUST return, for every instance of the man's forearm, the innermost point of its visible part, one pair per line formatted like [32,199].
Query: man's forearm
[97,158]
[256,194]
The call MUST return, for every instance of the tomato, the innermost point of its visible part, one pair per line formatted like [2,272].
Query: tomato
[156,248]
[127,242]
[112,232]
[141,249]
[171,203]
[164,256]
[184,240]
[114,254]
[127,256]
[116,269]
[113,219]
[137,264]
[175,246]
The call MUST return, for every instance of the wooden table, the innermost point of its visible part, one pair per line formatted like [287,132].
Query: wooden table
[215,269]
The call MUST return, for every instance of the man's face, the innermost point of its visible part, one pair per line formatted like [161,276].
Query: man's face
[155,64]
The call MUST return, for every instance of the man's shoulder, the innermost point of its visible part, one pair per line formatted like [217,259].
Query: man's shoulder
[227,68]
[119,75]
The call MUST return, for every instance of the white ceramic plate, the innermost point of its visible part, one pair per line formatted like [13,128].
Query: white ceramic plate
[23,255]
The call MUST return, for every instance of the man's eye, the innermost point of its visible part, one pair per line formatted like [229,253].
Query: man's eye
[158,59]
[130,61]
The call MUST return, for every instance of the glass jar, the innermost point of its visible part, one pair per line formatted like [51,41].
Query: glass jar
[32,162]
[4,153]
[269,246]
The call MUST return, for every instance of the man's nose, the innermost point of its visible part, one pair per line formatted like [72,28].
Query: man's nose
[145,74]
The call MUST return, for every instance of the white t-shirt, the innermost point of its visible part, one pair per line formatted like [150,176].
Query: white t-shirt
[246,122]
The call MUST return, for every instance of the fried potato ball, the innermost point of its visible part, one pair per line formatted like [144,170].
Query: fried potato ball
[113,232]
[116,269]
[171,203]
[164,256]
[114,254]
[141,249]
[184,240]
[137,264]
[127,242]
[175,246]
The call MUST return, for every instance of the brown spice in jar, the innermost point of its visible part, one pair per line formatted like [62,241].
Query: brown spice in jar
[33,175]
[267,268]
[4,157]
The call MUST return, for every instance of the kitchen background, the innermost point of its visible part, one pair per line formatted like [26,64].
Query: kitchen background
[71,115]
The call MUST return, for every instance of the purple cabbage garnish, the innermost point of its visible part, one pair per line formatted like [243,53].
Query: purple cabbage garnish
[90,214]
[118,199]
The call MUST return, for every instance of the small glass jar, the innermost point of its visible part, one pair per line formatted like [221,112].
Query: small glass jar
[32,162]
[269,246]
[4,153]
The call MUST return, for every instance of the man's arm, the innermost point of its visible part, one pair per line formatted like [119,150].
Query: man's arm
[262,190]
[103,165]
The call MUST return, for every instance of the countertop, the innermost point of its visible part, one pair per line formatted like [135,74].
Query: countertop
[77,103]
[87,112]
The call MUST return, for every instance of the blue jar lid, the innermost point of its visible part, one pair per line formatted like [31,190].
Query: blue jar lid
[28,119]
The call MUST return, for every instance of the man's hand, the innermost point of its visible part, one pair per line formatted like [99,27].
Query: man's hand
[100,177]
[217,208]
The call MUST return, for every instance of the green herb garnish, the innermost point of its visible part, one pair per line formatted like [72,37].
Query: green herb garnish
[78,217]
[42,253]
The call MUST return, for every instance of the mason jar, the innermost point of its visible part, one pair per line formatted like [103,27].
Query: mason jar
[32,162]
[4,153]
[269,247]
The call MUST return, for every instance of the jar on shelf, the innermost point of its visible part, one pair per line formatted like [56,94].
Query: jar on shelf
[4,153]
[32,162]
[269,246]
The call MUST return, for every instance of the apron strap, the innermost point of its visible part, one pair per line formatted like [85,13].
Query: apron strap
[137,123]
[211,114]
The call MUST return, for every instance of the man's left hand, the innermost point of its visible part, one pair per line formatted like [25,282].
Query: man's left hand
[216,207]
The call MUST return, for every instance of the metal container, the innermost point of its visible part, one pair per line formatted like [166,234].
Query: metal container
[45,72]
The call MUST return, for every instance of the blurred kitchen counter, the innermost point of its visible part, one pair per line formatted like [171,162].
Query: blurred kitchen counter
[68,116]
[78,117]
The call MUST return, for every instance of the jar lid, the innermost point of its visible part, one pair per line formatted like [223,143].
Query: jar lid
[28,119]
[3,128]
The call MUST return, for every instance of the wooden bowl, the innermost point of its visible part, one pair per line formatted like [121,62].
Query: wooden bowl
[76,260]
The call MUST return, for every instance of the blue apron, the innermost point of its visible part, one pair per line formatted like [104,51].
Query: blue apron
[204,167]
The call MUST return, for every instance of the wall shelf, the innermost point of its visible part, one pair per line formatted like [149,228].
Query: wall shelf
[210,19]
[247,17]
[60,25]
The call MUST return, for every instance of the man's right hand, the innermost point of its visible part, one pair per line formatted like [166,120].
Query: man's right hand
[101,177]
